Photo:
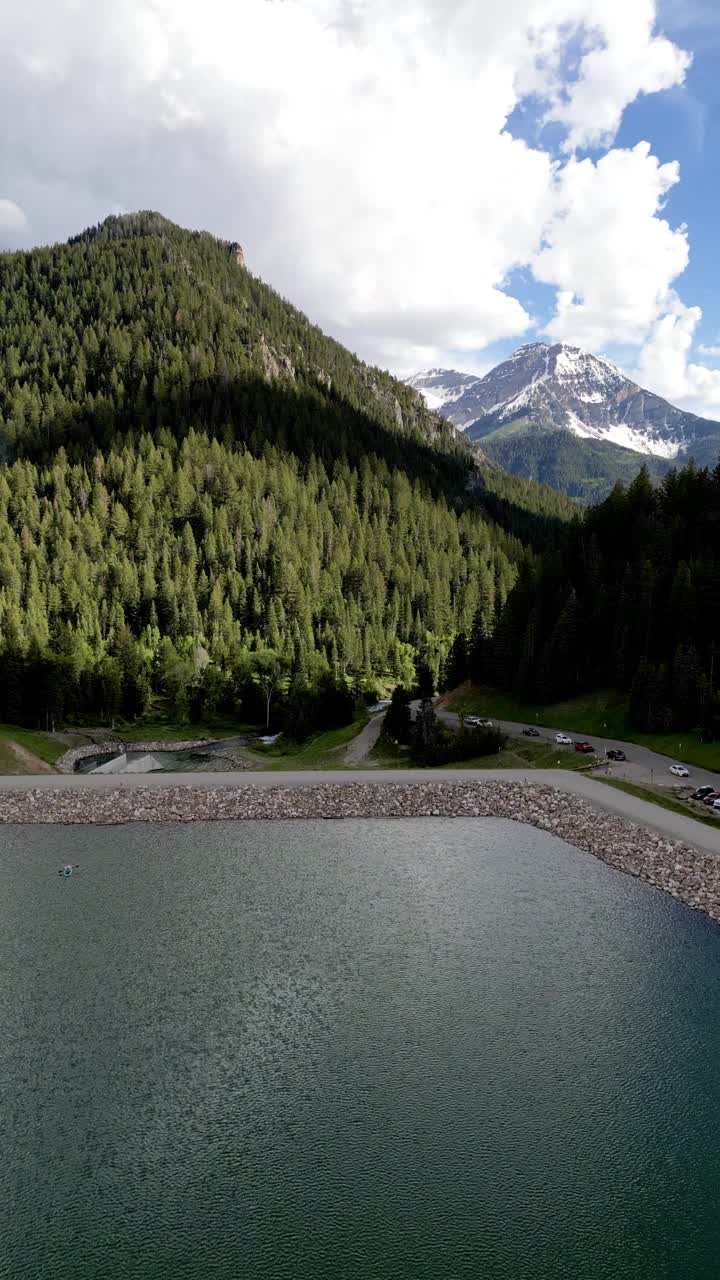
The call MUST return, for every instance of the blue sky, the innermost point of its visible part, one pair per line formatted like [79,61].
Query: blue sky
[682,124]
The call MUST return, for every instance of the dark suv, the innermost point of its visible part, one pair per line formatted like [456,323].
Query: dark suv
[615,754]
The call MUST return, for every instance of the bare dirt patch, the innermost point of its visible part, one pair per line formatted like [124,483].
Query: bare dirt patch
[27,762]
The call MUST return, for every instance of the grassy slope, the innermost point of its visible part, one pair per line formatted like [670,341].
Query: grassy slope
[323,751]
[601,713]
[162,729]
[43,745]
[660,797]
[9,764]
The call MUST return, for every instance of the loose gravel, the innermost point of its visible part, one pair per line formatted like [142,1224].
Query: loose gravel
[686,873]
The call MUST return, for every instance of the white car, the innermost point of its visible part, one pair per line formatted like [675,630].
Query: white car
[716,804]
[478,722]
[563,739]
[679,770]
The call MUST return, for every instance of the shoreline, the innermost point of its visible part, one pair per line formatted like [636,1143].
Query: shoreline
[686,872]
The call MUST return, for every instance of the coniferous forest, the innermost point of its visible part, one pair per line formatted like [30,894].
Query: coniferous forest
[204,500]
[629,601]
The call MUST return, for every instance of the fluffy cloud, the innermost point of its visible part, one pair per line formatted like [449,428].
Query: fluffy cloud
[627,61]
[359,150]
[610,254]
[11,215]
[13,223]
[664,364]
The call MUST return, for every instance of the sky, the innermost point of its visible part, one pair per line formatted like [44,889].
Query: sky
[434,182]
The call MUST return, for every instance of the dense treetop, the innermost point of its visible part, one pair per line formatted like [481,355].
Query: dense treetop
[138,324]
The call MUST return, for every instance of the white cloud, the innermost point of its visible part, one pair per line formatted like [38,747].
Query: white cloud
[611,256]
[358,150]
[708,351]
[12,217]
[665,367]
[629,60]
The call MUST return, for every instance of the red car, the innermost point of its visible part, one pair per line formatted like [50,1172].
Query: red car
[714,795]
[585,747]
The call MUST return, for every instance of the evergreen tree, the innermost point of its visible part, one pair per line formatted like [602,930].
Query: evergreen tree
[397,724]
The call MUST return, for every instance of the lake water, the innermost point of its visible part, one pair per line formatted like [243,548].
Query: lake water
[352,1051]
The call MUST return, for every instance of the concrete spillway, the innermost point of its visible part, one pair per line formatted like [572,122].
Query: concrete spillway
[132,764]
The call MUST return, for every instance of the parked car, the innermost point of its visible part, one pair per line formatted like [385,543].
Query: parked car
[615,754]
[714,795]
[716,803]
[531,733]
[703,792]
[478,722]
[563,740]
[585,747]
[679,770]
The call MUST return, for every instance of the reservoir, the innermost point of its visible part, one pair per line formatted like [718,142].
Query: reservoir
[352,1050]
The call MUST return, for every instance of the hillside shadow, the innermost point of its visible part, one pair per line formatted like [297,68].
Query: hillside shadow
[305,421]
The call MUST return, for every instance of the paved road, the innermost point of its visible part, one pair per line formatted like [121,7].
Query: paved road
[642,765]
[602,797]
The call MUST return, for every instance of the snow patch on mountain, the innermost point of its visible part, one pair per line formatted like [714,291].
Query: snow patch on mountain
[442,387]
[563,388]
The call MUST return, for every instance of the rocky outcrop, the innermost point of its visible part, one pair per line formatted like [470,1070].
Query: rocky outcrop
[236,251]
[276,365]
[686,873]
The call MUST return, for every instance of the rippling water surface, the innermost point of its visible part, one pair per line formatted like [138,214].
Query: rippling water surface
[352,1051]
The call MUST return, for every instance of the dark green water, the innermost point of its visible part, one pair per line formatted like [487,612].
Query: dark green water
[334,1050]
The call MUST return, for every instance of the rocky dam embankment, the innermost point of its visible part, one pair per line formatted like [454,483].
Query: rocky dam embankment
[679,869]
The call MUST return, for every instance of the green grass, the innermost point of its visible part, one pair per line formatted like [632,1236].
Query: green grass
[43,745]
[322,751]
[388,755]
[163,729]
[658,797]
[602,714]
[518,427]
[519,754]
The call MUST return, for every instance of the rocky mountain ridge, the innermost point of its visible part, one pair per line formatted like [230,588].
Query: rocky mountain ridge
[561,387]
[569,419]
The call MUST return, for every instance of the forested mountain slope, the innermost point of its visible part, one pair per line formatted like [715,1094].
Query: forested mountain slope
[199,486]
[631,600]
[138,323]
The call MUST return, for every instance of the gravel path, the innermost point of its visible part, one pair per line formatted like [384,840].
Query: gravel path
[362,745]
[31,763]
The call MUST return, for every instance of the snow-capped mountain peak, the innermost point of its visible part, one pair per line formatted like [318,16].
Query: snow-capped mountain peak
[561,387]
